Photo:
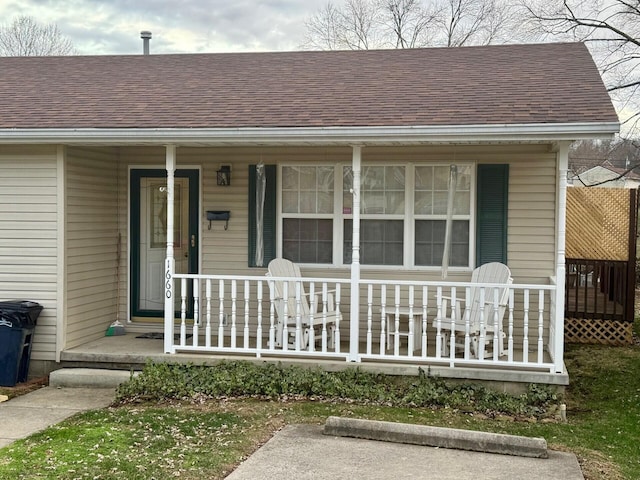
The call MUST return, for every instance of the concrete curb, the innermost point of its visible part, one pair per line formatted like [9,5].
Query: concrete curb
[437,437]
[88,378]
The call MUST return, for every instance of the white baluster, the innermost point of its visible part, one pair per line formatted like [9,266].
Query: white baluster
[454,315]
[412,333]
[196,311]
[259,327]
[207,330]
[525,338]
[183,312]
[438,322]
[467,323]
[247,292]
[396,333]
[369,316]
[285,323]
[221,317]
[383,320]
[497,340]
[540,324]
[425,302]
[312,311]
[510,341]
[298,341]
[234,306]
[324,332]
[483,325]
[272,311]
[338,318]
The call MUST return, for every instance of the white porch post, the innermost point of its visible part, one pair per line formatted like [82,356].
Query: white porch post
[561,229]
[355,257]
[169,266]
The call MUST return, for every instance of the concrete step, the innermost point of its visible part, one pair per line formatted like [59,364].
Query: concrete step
[88,377]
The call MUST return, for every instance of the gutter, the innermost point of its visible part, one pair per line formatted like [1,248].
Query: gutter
[539,132]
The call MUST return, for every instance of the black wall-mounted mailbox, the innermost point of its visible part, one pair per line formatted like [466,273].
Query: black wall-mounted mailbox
[215,215]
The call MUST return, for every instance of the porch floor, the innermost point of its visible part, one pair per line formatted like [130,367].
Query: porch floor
[131,352]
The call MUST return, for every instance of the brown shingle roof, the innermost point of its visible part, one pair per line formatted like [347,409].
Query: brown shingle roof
[509,84]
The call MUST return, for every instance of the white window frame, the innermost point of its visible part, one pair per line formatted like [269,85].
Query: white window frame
[380,216]
[408,217]
[281,216]
[471,217]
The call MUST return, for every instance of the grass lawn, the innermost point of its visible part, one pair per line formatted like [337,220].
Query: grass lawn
[207,439]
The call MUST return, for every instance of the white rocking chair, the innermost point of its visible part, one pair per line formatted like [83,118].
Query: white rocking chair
[312,321]
[482,318]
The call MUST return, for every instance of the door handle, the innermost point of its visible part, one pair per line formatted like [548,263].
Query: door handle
[193,241]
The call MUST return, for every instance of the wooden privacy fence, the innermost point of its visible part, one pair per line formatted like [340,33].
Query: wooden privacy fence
[600,265]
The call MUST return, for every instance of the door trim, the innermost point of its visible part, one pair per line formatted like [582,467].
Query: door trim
[135,174]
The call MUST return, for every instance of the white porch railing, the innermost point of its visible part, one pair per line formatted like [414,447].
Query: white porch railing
[400,321]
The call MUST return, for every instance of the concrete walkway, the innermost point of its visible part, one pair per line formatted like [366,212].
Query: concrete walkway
[27,414]
[304,452]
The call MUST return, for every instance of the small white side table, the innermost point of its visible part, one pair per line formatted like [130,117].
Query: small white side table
[405,318]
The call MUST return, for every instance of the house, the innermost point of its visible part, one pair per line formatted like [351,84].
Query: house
[132,189]
[606,176]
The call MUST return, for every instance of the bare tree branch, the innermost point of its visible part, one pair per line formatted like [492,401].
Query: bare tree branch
[26,37]
[361,24]
[617,177]
[409,22]
[620,156]
[625,85]
[611,29]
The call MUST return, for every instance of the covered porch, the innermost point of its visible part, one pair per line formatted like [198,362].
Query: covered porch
[391,321]
[390,318]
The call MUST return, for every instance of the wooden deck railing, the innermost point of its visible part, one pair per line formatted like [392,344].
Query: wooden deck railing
[599,289]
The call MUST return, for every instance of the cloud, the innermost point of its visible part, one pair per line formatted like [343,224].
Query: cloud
[97,27]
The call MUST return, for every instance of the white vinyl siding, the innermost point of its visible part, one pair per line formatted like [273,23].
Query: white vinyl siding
[532,226]
[28,237]
[531,237]
[531,202]
[91,243]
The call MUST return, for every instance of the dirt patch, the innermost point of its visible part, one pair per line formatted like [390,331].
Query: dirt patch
[25,387]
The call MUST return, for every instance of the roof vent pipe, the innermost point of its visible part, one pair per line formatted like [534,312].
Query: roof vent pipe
[145,36]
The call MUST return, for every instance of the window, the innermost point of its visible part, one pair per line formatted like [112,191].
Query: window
[381,242]
[431,192]
[307,213]
[403,214]
[382,209]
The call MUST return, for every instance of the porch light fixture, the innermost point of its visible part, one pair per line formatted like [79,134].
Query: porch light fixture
[224,175]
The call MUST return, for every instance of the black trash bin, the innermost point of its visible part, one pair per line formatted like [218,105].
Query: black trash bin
[17,323]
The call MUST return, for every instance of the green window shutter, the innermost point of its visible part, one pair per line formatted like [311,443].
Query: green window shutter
[491,228]
[270,215]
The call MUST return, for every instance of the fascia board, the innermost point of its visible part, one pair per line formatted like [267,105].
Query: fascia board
[315,136]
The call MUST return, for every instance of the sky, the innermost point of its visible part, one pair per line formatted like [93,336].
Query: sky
[103,27]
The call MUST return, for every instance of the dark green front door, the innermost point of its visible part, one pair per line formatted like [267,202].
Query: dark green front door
[149,237]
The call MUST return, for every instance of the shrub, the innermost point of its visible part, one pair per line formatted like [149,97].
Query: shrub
[163,381]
